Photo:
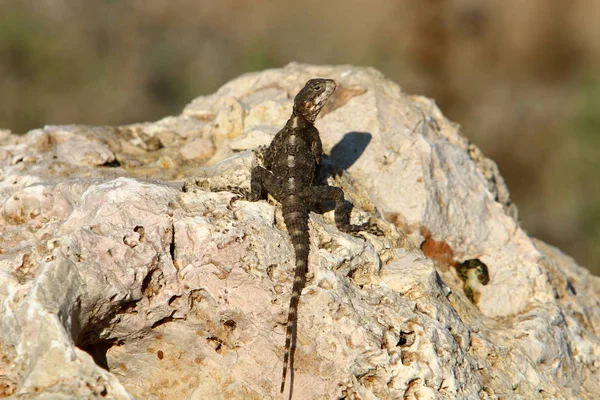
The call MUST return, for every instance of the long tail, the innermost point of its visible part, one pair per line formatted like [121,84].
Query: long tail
[295,215]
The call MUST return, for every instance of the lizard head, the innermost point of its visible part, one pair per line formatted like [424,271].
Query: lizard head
[313,97]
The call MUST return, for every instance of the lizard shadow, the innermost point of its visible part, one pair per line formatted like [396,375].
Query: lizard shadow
[342,156]
[345,153]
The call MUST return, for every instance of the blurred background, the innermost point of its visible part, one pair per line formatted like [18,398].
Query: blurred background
[521,77]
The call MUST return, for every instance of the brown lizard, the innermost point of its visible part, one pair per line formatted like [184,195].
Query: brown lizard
[290,166]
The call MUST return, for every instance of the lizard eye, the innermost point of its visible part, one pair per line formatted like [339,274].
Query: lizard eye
[318,88]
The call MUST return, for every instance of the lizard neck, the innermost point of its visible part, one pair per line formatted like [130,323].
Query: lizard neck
[299,120]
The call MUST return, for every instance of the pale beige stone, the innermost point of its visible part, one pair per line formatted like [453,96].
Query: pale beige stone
[184,294]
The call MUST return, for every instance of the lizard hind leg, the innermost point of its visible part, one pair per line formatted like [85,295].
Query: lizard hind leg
[342,207]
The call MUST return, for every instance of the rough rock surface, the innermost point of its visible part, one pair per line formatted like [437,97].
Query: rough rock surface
[116,284]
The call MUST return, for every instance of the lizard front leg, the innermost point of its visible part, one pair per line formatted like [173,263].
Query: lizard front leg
[262,181]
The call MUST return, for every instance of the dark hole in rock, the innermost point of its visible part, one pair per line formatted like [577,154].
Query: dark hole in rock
[172,244]
[215,343]
[98,352]
[112,164]
[146,282]
[140,231]
[406,339]
[231,324]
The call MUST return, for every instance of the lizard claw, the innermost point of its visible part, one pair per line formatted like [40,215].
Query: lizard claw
[373,228]
[239,192]
[368,227]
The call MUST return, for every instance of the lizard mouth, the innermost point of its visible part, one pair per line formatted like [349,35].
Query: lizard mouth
[330,87]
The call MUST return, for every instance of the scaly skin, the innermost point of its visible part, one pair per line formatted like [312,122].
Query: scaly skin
[290,166]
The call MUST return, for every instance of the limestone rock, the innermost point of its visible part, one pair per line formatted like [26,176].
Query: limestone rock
[117,284]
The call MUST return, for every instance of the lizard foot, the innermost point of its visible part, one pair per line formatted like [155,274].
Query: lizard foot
[204,184]
[368,227]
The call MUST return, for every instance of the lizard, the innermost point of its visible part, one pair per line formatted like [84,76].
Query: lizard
[290,165]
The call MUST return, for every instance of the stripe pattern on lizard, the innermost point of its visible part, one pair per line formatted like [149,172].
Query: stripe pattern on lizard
[288,173]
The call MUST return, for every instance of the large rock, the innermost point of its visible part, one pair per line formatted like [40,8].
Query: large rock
[116,283]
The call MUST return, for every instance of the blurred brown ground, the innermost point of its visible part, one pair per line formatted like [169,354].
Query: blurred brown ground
[521,77]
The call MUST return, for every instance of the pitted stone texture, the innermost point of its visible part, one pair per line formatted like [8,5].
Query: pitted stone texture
[115,283]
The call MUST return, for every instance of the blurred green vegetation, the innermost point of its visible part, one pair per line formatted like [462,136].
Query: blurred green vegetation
[585,156]
[521,77]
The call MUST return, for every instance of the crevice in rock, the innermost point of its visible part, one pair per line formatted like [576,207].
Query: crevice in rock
[146,282]
[173,298]
[98,352]
[112,164]
[172,244]
[90,341]
[162,321]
